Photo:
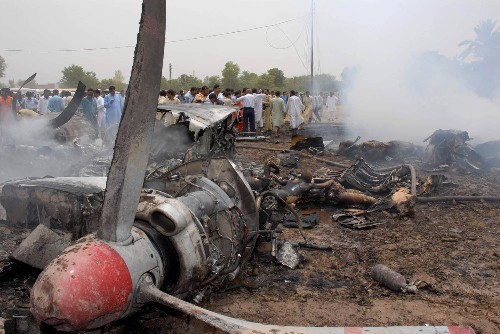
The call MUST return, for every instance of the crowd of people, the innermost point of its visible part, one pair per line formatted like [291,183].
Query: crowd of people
[260,110]
[101,111]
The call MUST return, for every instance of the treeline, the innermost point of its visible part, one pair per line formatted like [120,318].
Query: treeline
[231,77]
[273,79]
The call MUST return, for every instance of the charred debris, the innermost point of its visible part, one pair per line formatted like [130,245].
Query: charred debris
[176,220]
[201,212]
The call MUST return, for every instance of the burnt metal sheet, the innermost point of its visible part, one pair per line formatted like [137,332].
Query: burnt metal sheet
[201,115]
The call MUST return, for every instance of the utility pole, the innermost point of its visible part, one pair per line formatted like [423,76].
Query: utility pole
[312,47]
[170,72]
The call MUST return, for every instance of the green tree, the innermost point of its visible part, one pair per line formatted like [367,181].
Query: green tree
[3,67]
[119,80]
[12,83]
[266,81]
[278,77]
[299,83]
[164,83]
[230,74]
[212,80]
[105,83]
[326,83]
[74,73]
[248,79]
[188,81]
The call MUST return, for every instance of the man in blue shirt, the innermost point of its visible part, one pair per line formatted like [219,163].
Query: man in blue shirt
[113,105]
[56,103]
[29,102]
[89,107]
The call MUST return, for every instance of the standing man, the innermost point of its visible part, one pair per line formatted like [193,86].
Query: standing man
[277,113]
[294,108]
[89,107]
[29,102]
[218,93]
[171,99]
[56,103]
[307,100]
[191,94]
[259,98]
[66,96]
[43,104]
[6,114]
[163,97]
[266,113]
[202,96]
[248,111]
[113,105]
[101,112]
[181,96]
[331,102]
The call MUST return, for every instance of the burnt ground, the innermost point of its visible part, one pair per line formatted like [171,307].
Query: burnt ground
[452,247]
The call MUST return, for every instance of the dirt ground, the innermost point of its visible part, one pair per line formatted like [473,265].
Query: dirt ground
[452,247]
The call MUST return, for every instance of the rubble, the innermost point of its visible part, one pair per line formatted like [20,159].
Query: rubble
[175,228]
[450,147]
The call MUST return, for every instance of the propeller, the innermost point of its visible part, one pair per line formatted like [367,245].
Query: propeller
[72,107]
[18,94]
[92,282]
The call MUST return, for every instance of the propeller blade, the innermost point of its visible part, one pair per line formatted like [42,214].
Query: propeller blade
[133,140]
[14,102]
[72,107]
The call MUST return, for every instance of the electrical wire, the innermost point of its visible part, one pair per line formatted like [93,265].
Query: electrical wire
[291,44]
[281,48]
[166,41]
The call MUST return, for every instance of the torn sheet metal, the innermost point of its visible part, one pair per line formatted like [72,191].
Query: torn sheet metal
[200,115]
[197,129]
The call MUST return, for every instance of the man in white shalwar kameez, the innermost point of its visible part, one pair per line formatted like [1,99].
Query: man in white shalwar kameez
[331,103]
[294,108]
[258,98]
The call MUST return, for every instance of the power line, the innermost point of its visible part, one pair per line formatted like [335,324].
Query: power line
[166,42]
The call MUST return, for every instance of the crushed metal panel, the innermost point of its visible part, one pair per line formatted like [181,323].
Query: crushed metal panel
[208,130]
[203,115]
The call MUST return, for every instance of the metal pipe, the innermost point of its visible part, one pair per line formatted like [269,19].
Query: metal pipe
[457,198]
[212,322]
[292,210]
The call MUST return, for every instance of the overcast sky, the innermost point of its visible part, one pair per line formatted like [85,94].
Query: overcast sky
[347,33]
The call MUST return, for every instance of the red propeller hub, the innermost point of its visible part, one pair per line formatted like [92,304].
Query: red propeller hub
[86,286]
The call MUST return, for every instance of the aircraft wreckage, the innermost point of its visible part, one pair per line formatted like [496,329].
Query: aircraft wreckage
[165,230]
